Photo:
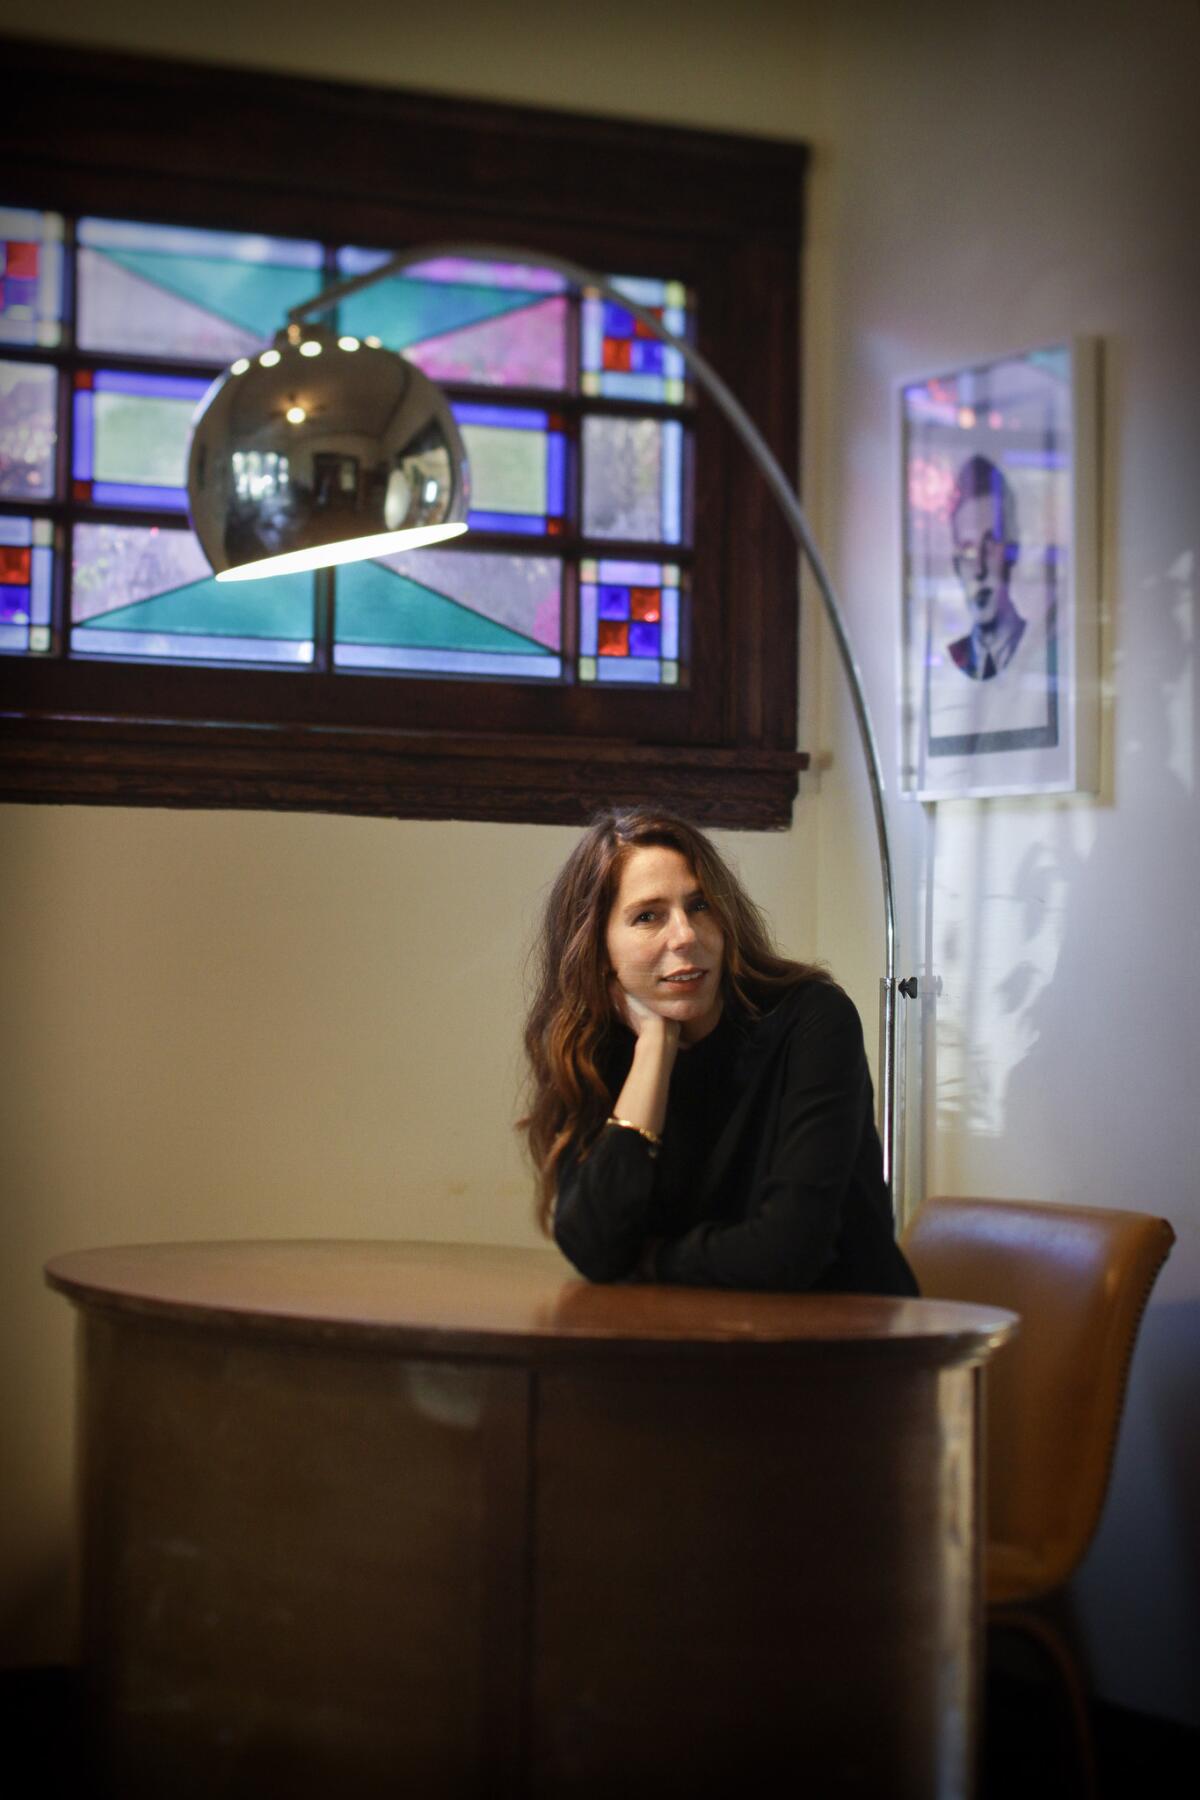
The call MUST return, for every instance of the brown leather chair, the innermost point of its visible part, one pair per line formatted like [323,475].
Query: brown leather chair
[1080,1278]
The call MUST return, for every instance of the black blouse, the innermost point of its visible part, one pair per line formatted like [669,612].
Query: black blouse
[770,1174]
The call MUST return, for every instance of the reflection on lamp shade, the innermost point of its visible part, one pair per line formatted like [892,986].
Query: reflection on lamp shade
[310,455]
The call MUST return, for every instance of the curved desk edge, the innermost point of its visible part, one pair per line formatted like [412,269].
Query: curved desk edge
[443,1300]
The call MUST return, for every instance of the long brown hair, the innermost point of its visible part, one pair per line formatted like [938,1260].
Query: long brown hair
[572,1018]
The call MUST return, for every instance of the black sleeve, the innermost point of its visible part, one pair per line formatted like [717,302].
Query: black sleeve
[603,1204]
[788,1235]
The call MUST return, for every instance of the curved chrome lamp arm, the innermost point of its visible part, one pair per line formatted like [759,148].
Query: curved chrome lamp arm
[784,492]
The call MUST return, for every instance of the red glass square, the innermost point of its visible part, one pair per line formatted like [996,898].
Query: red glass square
[616,353]
[14,565]
[554,527]
[645,603]
[644,331]
[612,639]
[81,490]
[21,260]
[83,378]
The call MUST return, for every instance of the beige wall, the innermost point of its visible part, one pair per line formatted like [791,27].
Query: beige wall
[1026,173]
[264,1024]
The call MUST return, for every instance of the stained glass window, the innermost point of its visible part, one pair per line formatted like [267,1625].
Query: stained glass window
[629,621]
[632,479]
[620,356]
[159,290]
[28,430]
[117,329]
[131,438]
[26,571]
[518,468]
[471,613]
[494,324]
[31,277]
[148,591]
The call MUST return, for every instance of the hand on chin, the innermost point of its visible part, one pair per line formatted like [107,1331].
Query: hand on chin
[639,1011]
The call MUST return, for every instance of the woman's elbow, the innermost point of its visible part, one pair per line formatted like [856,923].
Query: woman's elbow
[598,1262]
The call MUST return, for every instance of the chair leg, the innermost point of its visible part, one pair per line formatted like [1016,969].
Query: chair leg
[1068,1681]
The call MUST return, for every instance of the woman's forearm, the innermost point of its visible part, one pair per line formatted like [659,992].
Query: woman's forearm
[643,1098]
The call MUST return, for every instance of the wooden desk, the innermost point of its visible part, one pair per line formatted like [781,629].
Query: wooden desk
[373,1518]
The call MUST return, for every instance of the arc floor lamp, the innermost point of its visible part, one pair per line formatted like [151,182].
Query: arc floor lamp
[326,449]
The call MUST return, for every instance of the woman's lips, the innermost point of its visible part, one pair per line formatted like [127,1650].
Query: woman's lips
[684,977]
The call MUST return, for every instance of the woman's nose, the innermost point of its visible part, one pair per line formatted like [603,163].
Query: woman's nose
[683,930]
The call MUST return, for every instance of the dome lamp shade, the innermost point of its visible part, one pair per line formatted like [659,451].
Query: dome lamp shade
[322,449]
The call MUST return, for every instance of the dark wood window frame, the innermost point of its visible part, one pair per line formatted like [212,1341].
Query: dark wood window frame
[133,138]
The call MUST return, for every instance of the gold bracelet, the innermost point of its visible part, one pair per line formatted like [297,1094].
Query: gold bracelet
[651,1137]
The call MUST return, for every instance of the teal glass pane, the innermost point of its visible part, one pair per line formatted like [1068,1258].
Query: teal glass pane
[451,612]
[163,290]
[148,591]
[26,573]
[28,430]
[629,621]
[31,277]
[495,324]
[633,479]
[620,357]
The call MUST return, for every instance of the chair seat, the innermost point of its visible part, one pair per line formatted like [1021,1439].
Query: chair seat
[1014,1572]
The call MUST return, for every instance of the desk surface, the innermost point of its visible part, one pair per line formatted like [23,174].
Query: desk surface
[482,1300]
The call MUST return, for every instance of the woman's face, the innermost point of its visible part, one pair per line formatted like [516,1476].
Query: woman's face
[664,944]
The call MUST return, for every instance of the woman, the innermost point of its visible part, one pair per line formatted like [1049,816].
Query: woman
[701,1107]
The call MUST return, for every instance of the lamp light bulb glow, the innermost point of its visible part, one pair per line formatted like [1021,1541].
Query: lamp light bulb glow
[325,556]
[240,366]
[295,415]
[268,359]
[310,347]
[374,343]
[348,343]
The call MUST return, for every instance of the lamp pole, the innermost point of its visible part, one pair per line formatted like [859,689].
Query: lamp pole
[789,501]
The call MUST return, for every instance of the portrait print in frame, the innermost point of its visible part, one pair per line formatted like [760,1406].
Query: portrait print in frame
[1000,620]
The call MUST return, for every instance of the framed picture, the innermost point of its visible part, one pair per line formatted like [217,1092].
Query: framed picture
[1001,610]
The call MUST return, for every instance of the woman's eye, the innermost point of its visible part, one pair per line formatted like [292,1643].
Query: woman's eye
[644,918]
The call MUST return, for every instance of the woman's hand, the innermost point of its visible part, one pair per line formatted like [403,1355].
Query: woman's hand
[643,1099]
[640,1016]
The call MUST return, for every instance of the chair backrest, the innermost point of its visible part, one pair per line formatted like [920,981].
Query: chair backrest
[1080,1278]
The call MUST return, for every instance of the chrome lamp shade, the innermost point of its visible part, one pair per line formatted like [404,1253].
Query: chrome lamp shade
[322,449]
